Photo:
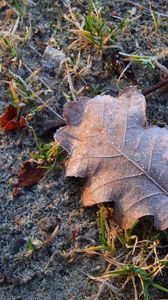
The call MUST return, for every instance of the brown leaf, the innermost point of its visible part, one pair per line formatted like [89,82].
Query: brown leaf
[2,4]
[11,119]
[30,174]
[122,161]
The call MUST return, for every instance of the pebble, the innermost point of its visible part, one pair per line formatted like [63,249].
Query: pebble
[52,57]
[48,224]
[29,225]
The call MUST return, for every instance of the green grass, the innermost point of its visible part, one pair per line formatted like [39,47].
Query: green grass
[103,238]
[20,6]
[157,19]
[142,59]
[94,31]
[29,245]
[48,152]
[9,44]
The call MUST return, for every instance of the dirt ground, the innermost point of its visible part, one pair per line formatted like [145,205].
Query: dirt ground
[55,201]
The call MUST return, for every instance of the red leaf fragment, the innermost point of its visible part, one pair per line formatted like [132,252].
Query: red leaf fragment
[74,235]
[18,220]
[30,174]
[11,119]
[16,193]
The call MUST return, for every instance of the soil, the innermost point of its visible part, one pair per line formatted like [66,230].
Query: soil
[49,273]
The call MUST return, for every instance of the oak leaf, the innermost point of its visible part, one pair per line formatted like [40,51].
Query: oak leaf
[122,160]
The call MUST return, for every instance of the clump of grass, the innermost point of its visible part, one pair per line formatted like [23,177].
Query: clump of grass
[48,153]
[103,237]
[11,38]
[7,43]
[75,69]
[19,91]
[30,247]
[157,19]
[21,6]
[92,31]
[133,255]
[28,90]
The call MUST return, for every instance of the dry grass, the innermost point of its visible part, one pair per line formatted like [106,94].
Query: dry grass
[132,256]
[92,32]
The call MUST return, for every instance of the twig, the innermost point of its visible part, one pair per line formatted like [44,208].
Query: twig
[102,285]
[16,25]
[155,87]
[8,33]
[49,171]
[69,78]
[135,288]
[39,78]
[34,49]
[31,2]
[51,237]
[123,72]
[50,260]
[54,234]
[160,66]
[114,289]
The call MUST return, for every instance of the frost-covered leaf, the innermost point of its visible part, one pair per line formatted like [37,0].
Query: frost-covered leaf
[122,161]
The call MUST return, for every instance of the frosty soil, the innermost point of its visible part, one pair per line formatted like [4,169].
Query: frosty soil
[48,274]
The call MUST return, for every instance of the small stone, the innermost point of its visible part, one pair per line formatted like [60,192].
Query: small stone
[48,224]
[52,57]
[37,243]
[5,229]
[48,272]
[29,224]
[2,279]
